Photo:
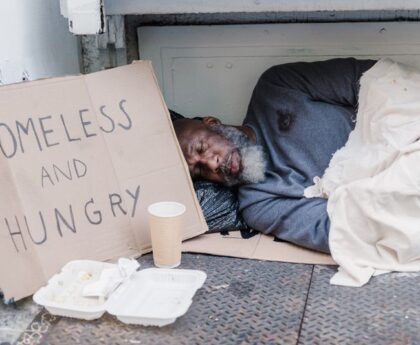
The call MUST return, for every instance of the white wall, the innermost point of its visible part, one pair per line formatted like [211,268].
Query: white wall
[35,41]
[220,6]
[212,70]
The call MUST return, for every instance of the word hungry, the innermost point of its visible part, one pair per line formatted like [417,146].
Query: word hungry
[21,229]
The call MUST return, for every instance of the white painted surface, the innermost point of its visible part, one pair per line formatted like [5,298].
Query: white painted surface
[213,69]
[35,41]
[84,16]
[215,6]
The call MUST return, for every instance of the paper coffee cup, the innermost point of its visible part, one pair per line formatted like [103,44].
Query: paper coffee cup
[165,220]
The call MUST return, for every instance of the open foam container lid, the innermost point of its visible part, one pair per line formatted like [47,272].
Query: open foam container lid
[152,296]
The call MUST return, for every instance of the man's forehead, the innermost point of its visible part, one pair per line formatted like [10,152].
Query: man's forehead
[184,124]
[193,130]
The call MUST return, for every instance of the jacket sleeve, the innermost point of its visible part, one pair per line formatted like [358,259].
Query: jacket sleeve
[301,221]
[334,81]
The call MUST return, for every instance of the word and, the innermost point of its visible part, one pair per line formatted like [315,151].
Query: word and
[55,174]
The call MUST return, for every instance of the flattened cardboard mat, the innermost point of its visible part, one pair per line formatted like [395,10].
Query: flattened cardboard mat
[81,158]
[260,246]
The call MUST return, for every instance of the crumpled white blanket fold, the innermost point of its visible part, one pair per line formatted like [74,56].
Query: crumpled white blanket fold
[373,182]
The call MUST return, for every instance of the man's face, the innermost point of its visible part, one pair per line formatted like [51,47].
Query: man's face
[219,153]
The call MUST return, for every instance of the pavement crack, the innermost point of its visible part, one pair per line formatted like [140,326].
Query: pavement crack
[306,302]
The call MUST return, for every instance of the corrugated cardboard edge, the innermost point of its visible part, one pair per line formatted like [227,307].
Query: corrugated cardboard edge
[259,247]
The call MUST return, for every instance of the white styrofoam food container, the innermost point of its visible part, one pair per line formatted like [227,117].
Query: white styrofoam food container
[152,296]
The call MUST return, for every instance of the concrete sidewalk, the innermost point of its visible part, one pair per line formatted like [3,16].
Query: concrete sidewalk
[249,302]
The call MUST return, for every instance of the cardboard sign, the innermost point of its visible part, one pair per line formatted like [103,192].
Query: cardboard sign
[81,158]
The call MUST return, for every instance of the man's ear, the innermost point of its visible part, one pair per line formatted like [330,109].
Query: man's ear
[210,120]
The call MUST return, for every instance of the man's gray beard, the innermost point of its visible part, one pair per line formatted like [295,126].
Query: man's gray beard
[253,159]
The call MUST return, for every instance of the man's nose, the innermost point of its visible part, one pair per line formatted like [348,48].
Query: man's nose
[212,162]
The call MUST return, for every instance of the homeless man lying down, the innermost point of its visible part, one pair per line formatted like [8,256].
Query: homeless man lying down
[298,116]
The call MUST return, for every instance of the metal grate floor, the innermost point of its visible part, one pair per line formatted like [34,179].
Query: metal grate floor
[256,302]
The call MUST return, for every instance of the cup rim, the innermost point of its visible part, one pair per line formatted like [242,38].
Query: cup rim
[153,209]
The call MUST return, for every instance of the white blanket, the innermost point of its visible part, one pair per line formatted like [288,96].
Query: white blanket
[373,182]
